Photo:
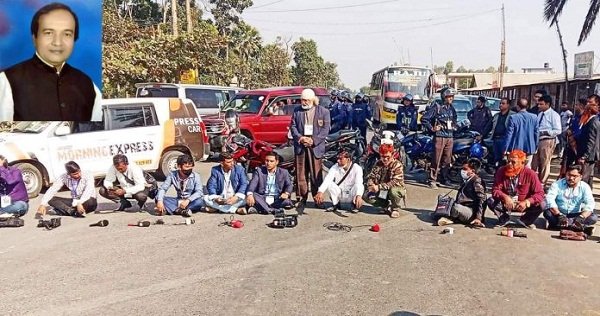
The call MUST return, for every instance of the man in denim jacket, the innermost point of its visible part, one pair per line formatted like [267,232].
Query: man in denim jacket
[188,186]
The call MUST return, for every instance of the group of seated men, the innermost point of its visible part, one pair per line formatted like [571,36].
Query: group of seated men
[568,204]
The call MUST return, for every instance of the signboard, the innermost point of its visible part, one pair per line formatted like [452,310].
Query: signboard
[188,76]
[584,65]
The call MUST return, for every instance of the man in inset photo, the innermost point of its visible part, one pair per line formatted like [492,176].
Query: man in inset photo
[45,87]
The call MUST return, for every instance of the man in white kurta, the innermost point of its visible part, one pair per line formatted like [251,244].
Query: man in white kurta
[344,183]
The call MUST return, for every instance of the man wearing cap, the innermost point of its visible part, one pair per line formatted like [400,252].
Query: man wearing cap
[309,127]
[45,87]
[385,183]
[440,119]
[516,189]
[344,182]
[480,115]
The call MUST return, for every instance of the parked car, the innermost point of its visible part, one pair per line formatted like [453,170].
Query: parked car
[153,132]
[208,99]
[255,120]
[492,103]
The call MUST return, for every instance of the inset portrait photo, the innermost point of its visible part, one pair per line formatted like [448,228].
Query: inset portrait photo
[50,60]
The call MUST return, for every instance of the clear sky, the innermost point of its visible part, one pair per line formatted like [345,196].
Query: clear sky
[364,39]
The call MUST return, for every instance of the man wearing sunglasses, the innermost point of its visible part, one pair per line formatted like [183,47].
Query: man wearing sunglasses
[385,184]
[516,189]
[344,182]
[570,203]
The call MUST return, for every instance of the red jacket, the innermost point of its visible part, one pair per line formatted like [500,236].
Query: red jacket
[528,187]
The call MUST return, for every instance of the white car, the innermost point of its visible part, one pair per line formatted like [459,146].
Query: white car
[153,132]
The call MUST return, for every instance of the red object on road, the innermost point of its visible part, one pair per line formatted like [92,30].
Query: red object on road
[236,223]
[375,228]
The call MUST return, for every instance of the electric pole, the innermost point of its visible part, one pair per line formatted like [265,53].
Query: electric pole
[502,55]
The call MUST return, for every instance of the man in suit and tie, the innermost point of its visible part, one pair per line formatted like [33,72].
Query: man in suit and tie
[309,127]
[226,187]
[270,188]
[522,132]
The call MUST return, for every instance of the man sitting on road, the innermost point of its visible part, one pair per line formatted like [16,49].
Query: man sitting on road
[124,181]
[270,188]
[83,193]
[226,187]
[13,193]
[570,203]
[188,186]
[344,182]
[516,189]
[469,205]
[385,183]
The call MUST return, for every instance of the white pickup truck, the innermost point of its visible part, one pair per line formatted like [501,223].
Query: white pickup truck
[153,132]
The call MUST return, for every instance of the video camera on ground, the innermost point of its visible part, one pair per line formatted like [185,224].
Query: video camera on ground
[49,224]
[282,221]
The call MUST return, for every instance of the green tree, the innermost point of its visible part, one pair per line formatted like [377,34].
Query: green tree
[245,45]
[449,67]
[310,68]
[273,67]
[227,13]
[554,8]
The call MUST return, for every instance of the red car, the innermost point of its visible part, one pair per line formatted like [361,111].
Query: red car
[265,114]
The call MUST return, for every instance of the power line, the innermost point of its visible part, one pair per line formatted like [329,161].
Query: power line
[265,5]
[325,8]
[470,16]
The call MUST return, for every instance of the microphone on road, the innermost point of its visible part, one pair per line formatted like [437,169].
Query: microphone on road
[141,224]
[102,223]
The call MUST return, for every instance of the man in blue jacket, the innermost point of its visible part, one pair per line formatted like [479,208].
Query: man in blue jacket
[310,126]
[226,187]
[406,118]
[270,188]
[360,113]
[338,112]
[522,132]
[188,186]
[440,119]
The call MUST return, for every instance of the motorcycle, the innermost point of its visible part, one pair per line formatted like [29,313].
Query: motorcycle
[381,135]
[348,140]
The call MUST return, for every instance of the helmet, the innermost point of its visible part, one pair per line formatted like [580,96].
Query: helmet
[232,119]
[446,92]
[334,93]
[476,151]
[359,96]
[345,95]
[408,97]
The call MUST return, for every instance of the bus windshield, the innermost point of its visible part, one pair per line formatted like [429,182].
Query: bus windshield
[402,81]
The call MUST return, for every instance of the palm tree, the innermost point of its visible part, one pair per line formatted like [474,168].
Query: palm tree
[553,9]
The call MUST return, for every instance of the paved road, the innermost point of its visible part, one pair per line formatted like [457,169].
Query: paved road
[408,268]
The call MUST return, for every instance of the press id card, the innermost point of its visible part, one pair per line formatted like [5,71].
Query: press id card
[308,130]
[449,124]
[5,201]
[383,194]
[270,199]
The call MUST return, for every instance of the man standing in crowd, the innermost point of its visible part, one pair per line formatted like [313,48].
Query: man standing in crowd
[227,187]
[188,186]
[441,120]
[83,193]
[534,103]
[385,183]
[124,181]
[516,189]
[310,126]
[270,188]
[337,112]
[360,113]
[572,136]
[570,203]
[497,126]
[522,132]
[406,118]
[565,120]
[470,199]
[13,194]
[344,182]
[588,143]
[45,87]
[549,129]
[480,115]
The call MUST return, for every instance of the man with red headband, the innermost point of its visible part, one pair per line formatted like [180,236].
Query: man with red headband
[516,189]
[385,184]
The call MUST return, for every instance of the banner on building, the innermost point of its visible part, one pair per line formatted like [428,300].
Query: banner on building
[584,65]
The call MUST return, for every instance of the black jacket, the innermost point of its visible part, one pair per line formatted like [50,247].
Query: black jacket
[588,145]
[472,194]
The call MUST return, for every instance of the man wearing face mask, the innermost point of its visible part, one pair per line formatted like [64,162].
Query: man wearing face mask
[516,189]
[385,183]
[227,187]
[470,200]
[309,127]
[188,186]
[344,182]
